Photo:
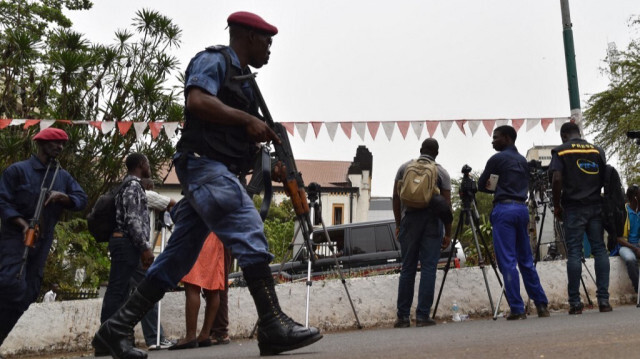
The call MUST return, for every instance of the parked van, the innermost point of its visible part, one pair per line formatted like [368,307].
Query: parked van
[363,248]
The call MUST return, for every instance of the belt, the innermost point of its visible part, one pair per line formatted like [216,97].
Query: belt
[510,201]
[117,235]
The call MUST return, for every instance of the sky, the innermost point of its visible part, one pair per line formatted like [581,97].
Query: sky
[404,60]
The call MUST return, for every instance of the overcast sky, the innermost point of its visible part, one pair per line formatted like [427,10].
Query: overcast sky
[370,60]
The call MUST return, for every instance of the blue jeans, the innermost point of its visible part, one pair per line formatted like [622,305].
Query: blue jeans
[511,244]
[214,201]
[420,239]
[577,222]
[631,262]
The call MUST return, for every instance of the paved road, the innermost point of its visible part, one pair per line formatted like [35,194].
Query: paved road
[590,335]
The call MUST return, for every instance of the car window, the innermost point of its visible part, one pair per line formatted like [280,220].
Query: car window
[363,240]
[324,249]
[384,242]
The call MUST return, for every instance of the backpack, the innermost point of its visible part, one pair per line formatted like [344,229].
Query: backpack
[419,183]
[613,206]
[102,219]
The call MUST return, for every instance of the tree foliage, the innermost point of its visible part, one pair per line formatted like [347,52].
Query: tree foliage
[613,112]
[278,226]
[50,71]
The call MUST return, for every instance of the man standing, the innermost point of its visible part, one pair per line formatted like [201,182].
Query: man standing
[218,144]
[129,246]
[420,232]
[578,176]
[629,243]
[19,192]
[507,176]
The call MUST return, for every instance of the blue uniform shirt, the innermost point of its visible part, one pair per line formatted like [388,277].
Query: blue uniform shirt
[513,170]
[207,71]
[19,191]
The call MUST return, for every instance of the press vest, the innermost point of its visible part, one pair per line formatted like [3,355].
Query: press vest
[228,144]
[583,172]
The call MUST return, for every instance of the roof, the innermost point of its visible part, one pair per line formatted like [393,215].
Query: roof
[326,173]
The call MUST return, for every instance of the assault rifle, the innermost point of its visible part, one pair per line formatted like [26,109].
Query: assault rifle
[285,168]
[33,232]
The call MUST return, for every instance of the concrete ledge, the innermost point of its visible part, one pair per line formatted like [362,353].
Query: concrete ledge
[69,326]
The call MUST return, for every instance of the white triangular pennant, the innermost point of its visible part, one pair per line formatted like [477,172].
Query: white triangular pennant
[107,126]
[417,127]
[17,122]
[531,123]
[332,127]
[139,127]
[502,122]
[388,128]
[473,126]
[46,124]
[445,126]
[360,128]
[302,129]
[170,128]
[559,121]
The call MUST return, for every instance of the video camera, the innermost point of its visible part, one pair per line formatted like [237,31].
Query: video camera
[468,186]
[634,135]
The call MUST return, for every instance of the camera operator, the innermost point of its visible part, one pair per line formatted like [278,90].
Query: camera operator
[506,175]
[578,175]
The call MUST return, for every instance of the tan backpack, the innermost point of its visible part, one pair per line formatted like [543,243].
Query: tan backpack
[419,183]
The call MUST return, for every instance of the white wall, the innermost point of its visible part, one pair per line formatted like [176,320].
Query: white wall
[69,326]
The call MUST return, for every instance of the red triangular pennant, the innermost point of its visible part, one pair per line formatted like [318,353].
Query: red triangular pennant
[96,124]
[155,128]
[488,125]
[460,124]
[545,122]
[4,122]
[288,126]
[403,126]
[432,126]
[517,123]
[346,128]
[29,123]
[373,128]
[124,126]
[66,122]
[316,127]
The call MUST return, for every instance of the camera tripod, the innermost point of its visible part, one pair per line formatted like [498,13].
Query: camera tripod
[469,214]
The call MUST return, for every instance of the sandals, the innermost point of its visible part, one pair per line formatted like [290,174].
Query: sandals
[221,340]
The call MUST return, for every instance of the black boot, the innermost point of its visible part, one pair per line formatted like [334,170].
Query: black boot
[116,334]
[277,332]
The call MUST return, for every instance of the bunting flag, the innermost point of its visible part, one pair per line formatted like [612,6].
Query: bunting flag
[417,127]
[373,128]
[155,128]
[388,128]
[346,128]
[360,127]
[316,127]
[332,128]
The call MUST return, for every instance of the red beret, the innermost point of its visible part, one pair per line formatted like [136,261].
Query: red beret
[253,21]
[51,134]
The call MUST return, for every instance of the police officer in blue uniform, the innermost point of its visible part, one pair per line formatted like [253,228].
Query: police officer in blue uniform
[218,144]
[19,192]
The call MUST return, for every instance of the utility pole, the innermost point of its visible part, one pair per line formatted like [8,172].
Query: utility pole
[570,60]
